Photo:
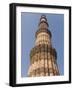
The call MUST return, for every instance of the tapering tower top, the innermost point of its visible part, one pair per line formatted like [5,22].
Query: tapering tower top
[43,18]
[43,34]
[43,26]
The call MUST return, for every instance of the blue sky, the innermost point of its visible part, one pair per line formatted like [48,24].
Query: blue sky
[29,25]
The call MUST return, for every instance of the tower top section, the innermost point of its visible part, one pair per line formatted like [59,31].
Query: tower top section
[43,26]
[43,18]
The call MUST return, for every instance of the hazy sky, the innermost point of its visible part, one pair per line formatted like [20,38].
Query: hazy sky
[29,25]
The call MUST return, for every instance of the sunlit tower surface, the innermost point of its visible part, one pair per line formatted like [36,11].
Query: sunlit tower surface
[43,57]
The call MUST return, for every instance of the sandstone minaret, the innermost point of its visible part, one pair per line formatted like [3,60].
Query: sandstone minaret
[43,57]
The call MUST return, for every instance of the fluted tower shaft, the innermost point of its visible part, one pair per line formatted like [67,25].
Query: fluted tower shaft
[43,57]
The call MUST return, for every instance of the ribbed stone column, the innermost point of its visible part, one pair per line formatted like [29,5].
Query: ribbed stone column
[43,57]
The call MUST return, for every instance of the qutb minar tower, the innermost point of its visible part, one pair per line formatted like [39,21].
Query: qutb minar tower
[43,57]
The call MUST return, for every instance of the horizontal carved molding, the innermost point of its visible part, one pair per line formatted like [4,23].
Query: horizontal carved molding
[43,30]
[44,71]
[43,48]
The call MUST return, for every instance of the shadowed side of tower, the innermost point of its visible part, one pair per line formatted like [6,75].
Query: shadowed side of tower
[43,57]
